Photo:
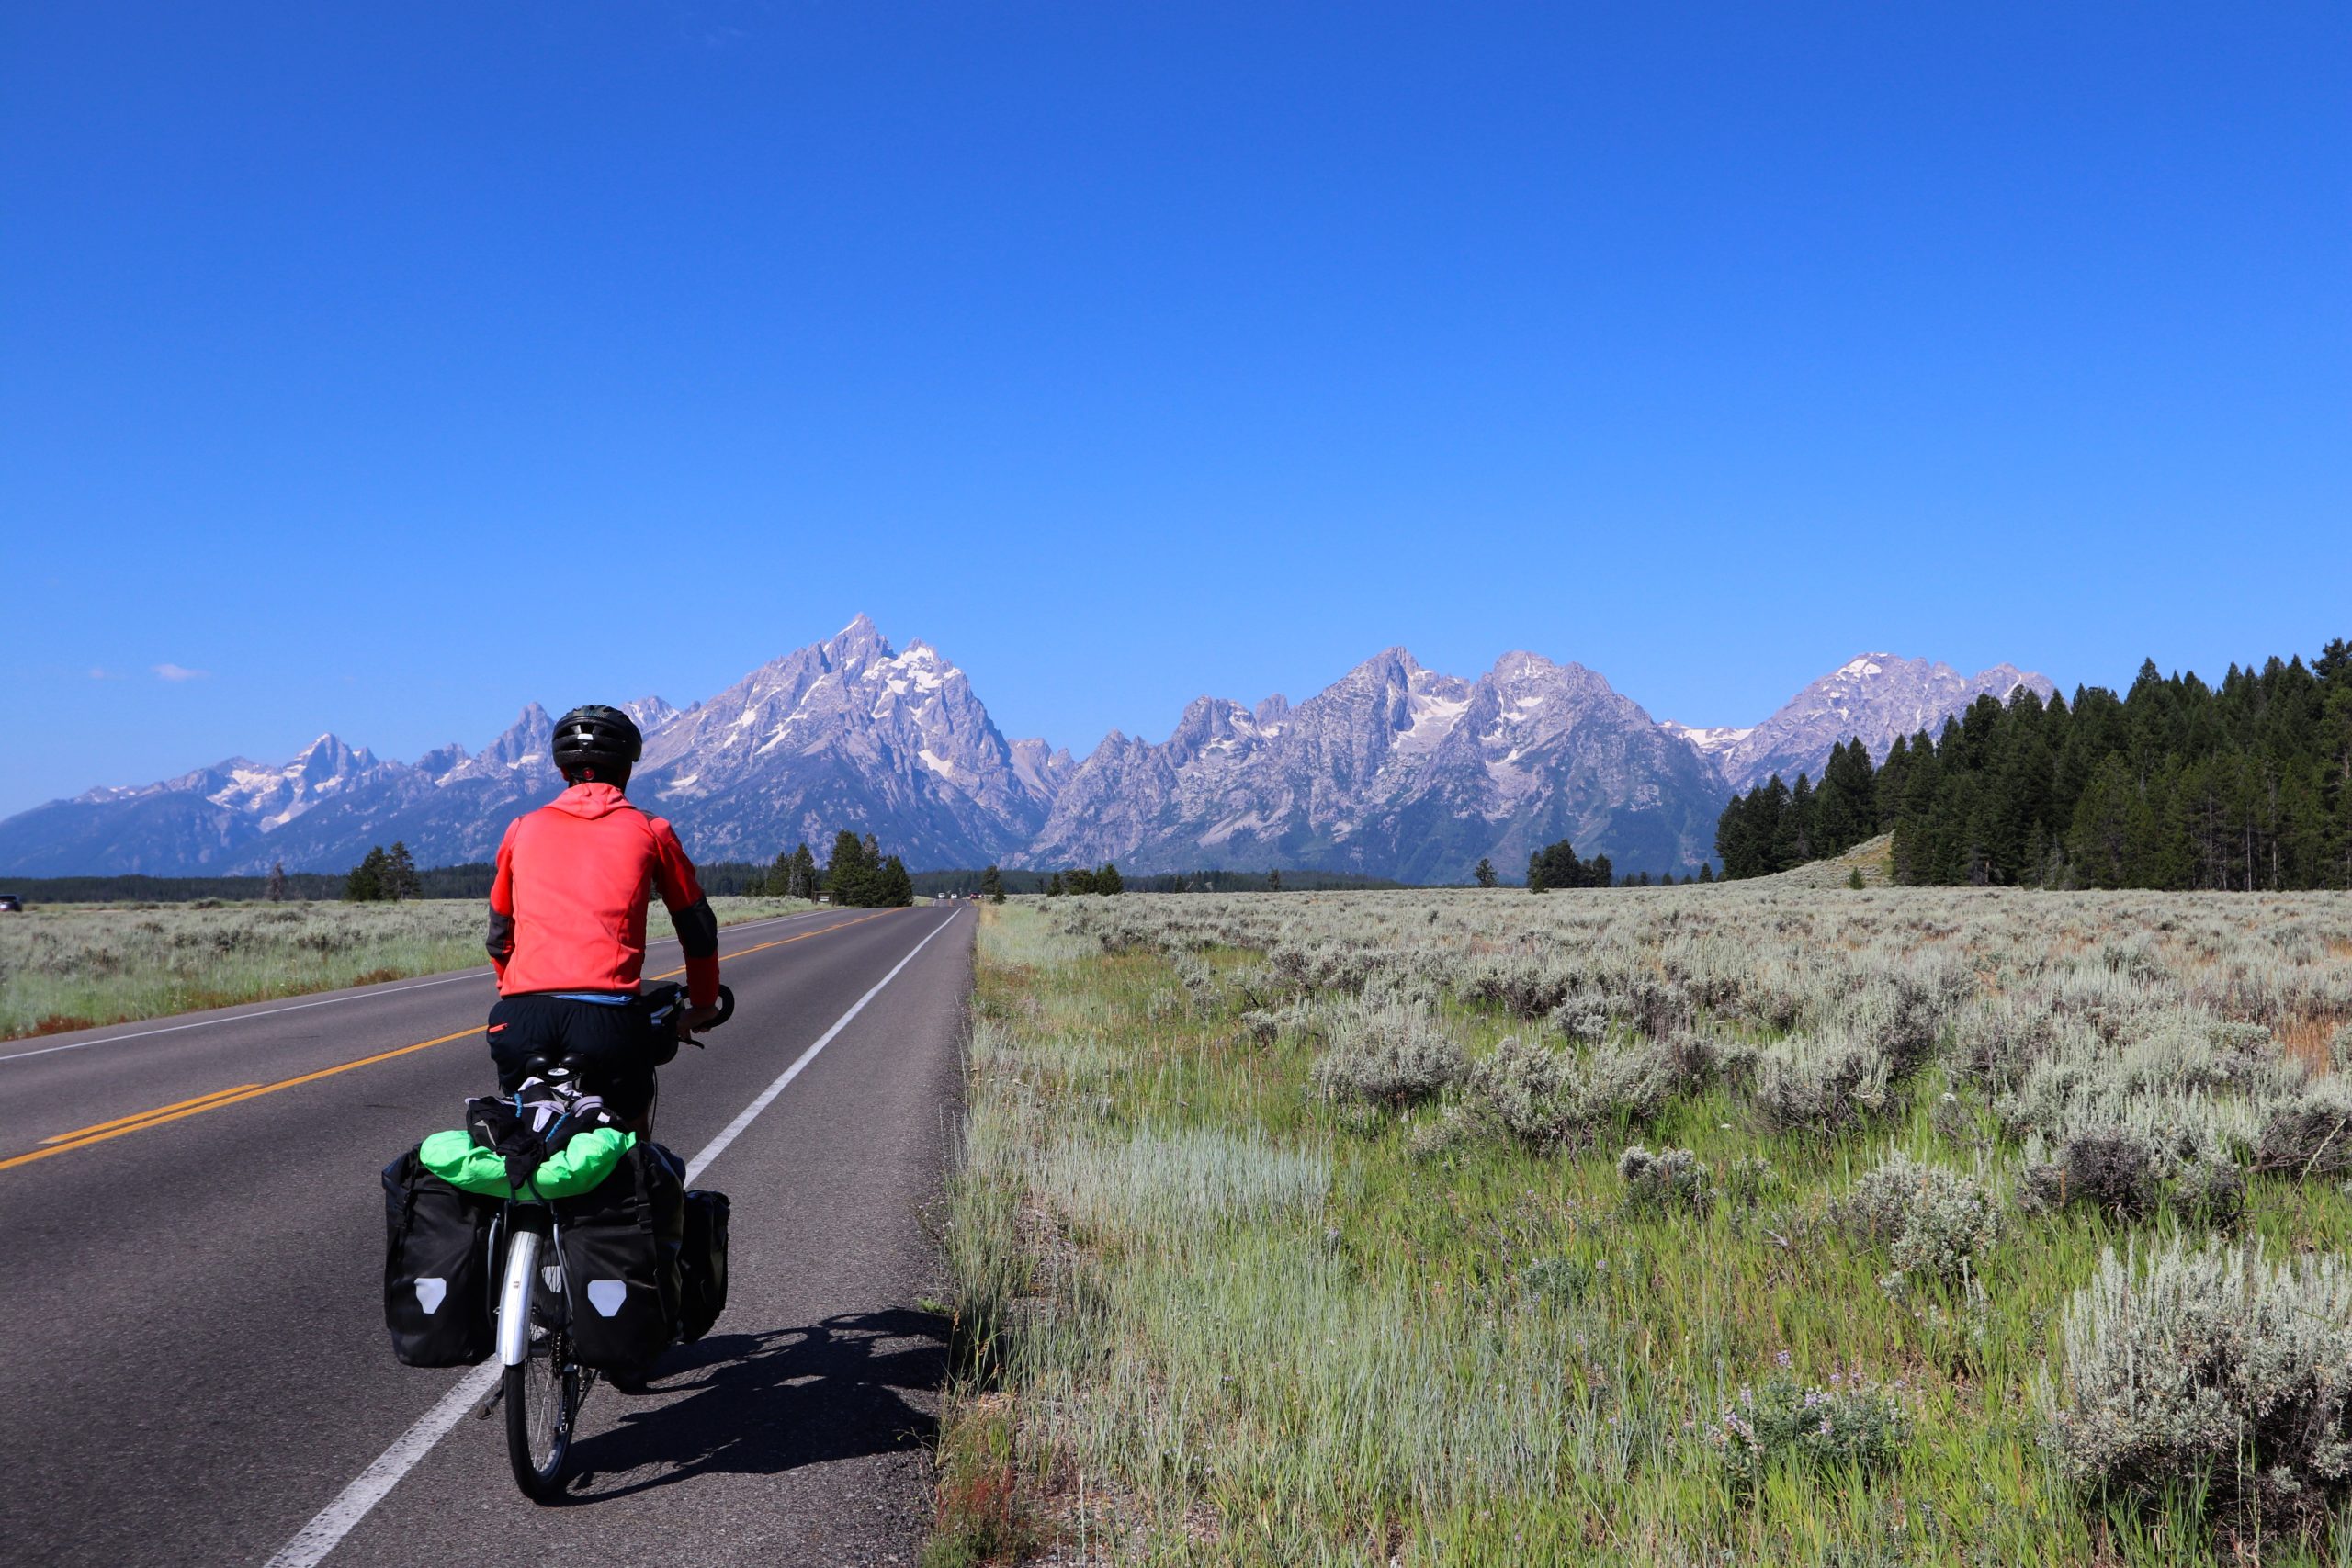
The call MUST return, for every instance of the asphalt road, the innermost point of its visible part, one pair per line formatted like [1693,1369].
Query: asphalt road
[196,1362]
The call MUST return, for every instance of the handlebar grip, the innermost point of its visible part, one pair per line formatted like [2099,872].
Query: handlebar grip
[726,1008]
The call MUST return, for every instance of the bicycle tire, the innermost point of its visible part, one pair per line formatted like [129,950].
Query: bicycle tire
[542,1400]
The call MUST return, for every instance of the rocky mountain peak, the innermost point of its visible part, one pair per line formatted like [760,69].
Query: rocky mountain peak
[525,748]
[1876,696]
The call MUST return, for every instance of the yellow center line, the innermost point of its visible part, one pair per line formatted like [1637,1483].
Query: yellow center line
[144,1115]
[87,1136]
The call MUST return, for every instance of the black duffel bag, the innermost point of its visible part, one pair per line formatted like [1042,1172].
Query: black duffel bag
[619,1246]
[702,1264]
[437,1268]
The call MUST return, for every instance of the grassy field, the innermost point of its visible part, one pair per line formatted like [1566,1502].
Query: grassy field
[72,965]
[1703,1225]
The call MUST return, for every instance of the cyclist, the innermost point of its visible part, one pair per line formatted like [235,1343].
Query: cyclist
[567,921]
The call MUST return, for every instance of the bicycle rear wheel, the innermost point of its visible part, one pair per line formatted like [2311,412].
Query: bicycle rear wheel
[542,1397]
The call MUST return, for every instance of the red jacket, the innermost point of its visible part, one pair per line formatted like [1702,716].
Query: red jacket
[567,911]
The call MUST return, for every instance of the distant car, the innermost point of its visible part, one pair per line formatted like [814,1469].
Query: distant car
[10,903]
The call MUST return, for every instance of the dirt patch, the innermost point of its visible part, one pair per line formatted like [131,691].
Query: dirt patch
[2306,1039]
[57,1023]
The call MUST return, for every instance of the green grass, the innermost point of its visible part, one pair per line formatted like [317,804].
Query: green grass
[74,966]
[1204,1317]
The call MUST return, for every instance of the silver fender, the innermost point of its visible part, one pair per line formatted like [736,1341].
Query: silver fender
[514,1299]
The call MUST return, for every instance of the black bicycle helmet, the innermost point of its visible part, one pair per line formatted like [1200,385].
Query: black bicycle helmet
[598,737]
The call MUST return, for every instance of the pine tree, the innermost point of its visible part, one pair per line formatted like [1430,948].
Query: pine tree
[803,881]
[1054,885]
[1887,788]
[892,887]
[1484,872]
[2099,843]
[1274,880]
[1107,879]
[993,886]
[849,875]
[1844,806]
[1706,871]
[365,885]
[275,889]
[400,878]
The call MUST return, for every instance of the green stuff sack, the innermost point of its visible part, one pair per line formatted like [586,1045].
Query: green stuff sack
[581,1166]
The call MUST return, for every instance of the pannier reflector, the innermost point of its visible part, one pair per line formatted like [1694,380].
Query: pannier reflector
[606,1296]
[551,1276]
[429,1293]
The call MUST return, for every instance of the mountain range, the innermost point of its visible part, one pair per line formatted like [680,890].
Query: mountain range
[1392,770]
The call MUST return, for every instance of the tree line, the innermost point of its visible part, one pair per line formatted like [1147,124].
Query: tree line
[1104,879]
[1556,865]
[1773,827]
[859,875]
[2176,783]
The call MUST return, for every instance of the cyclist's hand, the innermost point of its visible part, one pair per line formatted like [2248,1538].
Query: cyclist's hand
[696,1018]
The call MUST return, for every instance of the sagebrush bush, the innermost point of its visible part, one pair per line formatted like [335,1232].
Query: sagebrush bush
[2203,1366]
[1853,1425]
[1701,1061]
[1521,1086]
[1993,1043]
[1812,1084]
[2210,1192]
[1666,1180]
[1584,1022]
[1903,1017]
[1935,1224]
[2112,1171]
[1391,1055]
[2309,1134]
[1547,1099]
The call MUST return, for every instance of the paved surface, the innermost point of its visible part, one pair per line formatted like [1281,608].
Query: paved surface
[196,1361]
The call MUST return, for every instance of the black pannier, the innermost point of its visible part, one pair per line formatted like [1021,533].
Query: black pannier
[620,1246]
[702,1264]
[437,1268]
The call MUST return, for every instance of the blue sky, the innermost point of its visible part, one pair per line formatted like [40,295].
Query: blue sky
[381,369]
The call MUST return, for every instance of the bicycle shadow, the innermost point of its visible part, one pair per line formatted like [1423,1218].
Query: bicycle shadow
[764,1403]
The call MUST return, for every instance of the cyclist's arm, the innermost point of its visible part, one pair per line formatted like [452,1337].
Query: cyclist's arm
[673,876]
[501,940]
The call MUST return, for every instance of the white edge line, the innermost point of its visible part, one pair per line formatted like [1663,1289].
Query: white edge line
[327,1527]
[241,1016]
[750,1113]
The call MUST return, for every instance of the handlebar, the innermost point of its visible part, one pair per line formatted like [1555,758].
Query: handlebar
[666,1010]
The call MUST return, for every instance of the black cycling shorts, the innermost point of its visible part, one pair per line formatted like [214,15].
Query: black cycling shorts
[613,1041]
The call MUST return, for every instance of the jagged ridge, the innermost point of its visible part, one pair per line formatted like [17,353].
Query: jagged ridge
[1394,770]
